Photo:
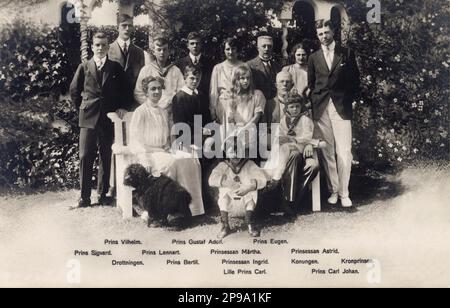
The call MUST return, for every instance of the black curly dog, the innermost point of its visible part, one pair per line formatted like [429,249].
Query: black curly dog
[166,201]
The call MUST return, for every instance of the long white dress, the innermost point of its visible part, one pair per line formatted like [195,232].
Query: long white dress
[241,109]
[149,141]
[221,79]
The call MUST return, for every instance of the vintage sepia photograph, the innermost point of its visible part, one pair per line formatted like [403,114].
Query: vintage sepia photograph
[224,144]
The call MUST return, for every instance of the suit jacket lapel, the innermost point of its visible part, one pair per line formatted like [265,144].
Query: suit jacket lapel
[131,49]
[337,58]
[93,69]
[106,71]
[117,53]
[323,60]
[263,67]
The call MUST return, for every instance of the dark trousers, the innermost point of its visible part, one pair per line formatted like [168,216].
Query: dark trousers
[92,140]
[295,179]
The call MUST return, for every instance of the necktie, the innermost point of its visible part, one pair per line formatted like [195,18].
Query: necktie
[329,57]
[125,49]
[99,65]
[268,67]
[195,62]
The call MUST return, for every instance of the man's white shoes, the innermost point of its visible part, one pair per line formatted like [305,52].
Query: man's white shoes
[333,198]
[345,202]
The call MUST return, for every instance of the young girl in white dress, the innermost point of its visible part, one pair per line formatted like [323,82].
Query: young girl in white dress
[244,107]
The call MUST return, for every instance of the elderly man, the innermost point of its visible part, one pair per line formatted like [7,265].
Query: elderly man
[130,57]
[273,108]
[333,78]
[265,68]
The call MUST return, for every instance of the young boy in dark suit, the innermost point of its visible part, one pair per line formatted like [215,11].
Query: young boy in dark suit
[188,103]
[197,59]
[98,87]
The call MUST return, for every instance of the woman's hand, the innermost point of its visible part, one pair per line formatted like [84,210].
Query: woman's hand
[308,151]
[309,165]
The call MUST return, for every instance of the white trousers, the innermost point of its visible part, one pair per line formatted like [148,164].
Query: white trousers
[337,155]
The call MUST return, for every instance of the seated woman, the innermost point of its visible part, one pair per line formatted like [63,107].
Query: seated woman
[150,142]
[291,163]
[244,107]
[221,78]
[299,68]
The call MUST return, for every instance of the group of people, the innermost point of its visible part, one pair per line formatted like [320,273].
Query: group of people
[302,106]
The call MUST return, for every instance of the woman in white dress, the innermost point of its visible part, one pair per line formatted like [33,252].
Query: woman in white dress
[221,78]
[150,142]
[299,68]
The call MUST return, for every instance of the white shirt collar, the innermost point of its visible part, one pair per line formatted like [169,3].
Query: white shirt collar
[193,58]
[122,42]
[100,61]
[266,61]
[186,90]
[330,47]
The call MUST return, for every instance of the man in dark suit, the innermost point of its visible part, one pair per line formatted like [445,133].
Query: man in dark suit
[265,68]
[97,88]
[130,57]
[333,78]
[196,59]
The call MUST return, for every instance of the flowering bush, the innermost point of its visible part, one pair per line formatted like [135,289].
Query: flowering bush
[41,148]
[32,60]
[402,113]
[38,130]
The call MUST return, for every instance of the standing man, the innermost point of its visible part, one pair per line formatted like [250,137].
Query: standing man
[333,78]
[97,88]
[265,68]
[197,60]
[130,57]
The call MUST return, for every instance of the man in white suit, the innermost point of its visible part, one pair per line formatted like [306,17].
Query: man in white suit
[333,78]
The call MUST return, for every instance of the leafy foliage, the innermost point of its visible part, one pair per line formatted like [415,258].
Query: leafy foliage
[402,114]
